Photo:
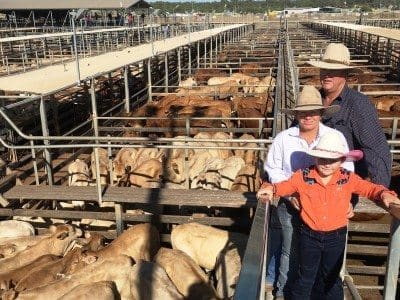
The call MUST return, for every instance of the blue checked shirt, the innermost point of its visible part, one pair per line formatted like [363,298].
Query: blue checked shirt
[358,120]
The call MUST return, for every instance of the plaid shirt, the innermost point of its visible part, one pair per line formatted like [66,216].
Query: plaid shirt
[357,119]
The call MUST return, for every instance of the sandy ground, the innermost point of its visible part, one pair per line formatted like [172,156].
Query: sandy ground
[389,33]
[57,77]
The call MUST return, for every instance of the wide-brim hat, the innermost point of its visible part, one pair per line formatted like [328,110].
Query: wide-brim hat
[336,57]
[310,99]
[332,146]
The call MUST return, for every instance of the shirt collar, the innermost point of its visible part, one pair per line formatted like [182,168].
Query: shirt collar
[342,96]
[295,131]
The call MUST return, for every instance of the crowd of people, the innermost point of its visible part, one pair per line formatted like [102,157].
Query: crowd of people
[316,169]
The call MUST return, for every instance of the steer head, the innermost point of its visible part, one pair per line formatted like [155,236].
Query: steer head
[62,238]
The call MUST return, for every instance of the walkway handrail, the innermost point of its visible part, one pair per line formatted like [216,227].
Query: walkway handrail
[252,274]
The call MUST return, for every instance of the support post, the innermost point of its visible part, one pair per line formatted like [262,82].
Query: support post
[392,266]
[96,134]
[126,83]
[78,73]
[211,51]
[205,53]
[45,133]
[149,83]
[179,66]
[198,54]
[166,72]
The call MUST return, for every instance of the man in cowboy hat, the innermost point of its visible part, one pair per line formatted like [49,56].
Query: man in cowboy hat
[357,118]
[324,191]
[286,155]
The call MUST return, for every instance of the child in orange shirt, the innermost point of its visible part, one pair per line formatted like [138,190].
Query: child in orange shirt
[325,192]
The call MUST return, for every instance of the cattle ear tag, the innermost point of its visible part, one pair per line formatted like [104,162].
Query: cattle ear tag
[90,259]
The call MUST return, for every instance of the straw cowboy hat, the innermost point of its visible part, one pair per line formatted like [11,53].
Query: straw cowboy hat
[336,57]
[310,99]
[332,146]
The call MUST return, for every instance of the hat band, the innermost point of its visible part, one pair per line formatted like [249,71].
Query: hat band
[330,151]
[334,61]
[311,104]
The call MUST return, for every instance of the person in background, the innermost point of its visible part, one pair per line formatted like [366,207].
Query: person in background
[324,191]
[142,16]
[286,155]
[130,20]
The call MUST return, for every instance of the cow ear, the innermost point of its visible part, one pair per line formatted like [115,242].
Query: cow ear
[62,234]
[175,167]
[53,228]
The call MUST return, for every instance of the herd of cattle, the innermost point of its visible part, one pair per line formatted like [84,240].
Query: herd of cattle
[238,95]
[204,263]
[207,167]
[203,167]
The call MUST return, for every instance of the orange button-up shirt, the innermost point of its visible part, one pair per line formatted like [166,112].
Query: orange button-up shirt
[324,207]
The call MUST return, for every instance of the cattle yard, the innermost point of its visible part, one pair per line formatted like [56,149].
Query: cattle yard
[199,117]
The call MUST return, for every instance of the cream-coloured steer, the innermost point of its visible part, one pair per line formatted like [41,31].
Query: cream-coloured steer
[114,269]
[73,261]
[101,290]
[227,271]
[185,273]
[55,244]
[140,241]
[247,179]
[13,277]
[149,280]
[11,246]
[103,165]
[78,173]
[148,171]
[201,242]
[15,228]
[209,247]
[124,161]
[188,82]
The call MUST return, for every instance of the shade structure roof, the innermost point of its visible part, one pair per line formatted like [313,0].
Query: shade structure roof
[69,4]
[53,78]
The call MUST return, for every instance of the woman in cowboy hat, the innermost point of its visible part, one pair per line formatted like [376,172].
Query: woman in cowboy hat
[286,155]
[357,118]
[324,191]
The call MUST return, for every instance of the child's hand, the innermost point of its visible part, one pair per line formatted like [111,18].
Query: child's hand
[388,198]
[265,194]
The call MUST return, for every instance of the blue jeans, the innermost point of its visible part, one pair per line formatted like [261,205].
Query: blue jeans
[322,251]
[290,221]
[274,247]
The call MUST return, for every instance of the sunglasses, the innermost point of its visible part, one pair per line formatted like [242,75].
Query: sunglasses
[333,72]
